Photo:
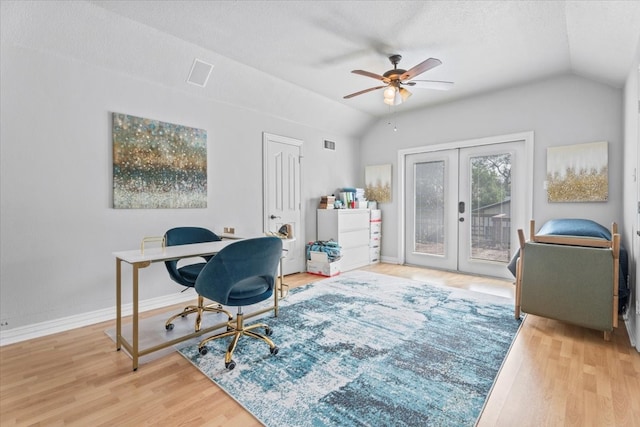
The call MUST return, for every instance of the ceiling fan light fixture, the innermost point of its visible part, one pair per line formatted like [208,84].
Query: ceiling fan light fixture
[398,99]
[394,95]
[405,94]
[389,92]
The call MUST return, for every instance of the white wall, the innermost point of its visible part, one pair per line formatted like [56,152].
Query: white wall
[65,66]
[57,225]
[560,111]
[631,184]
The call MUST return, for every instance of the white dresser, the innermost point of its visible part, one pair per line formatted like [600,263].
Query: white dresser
[351,229]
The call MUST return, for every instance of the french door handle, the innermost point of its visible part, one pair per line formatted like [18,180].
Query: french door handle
[274,217]
[461,207]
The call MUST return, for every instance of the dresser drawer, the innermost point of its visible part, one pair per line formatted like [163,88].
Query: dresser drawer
[349,239]
[375,227]
[374,244]
[354,258]
[353,220]
[374,255]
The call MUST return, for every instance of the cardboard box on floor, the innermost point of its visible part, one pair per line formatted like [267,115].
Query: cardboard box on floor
[319,264]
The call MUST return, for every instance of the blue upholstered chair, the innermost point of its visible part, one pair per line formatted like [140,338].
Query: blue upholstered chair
[187,274]
[241,274]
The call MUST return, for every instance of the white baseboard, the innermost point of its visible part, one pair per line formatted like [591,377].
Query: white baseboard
[389,260]
[631,331]
[49,327]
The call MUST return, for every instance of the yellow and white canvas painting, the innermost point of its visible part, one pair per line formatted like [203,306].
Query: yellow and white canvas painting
[578,173]
[378,183]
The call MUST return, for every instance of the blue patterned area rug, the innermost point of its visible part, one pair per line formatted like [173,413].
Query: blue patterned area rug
[365,349]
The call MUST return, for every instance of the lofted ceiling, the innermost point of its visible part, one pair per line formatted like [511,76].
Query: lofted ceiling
[483,45]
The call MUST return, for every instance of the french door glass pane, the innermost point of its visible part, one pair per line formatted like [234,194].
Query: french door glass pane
[491,207]
[429,208]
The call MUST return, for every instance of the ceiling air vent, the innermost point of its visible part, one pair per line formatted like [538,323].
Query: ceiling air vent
[200,72]
[329,145]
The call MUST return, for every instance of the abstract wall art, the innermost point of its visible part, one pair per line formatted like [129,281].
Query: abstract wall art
[578,173]
[158,165]
[378,183]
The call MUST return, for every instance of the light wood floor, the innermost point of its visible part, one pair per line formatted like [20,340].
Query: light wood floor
[555,375]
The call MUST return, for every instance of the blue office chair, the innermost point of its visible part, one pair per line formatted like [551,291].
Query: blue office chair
[242,273]
[187,274]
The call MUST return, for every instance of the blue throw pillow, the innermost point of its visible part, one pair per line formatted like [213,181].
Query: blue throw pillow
[574,227]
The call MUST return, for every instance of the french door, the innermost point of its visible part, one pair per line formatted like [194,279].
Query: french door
[463,207]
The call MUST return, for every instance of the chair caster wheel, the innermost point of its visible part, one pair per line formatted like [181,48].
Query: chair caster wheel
[268,331]
[203,351]
[169,327]
[274,350]
[230,365]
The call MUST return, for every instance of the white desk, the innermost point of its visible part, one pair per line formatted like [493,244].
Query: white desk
[137,259]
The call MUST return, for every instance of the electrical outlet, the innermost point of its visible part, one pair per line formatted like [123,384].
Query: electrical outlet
[4,323]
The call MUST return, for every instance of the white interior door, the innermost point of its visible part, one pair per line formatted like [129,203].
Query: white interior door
[282,189]
[460,205]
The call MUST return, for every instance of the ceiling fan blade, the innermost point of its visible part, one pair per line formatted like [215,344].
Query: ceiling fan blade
[372,75]
[363,91]
[420,68]
[430,84]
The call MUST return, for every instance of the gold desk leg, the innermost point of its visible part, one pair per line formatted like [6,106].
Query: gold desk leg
[118,303]
[134,344]
[280,288]
[284,288]
[276,297]
[135,353]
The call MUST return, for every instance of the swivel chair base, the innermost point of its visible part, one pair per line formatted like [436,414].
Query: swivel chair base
[199,309]
[237,329]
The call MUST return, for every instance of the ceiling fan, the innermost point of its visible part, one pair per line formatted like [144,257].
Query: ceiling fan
[396,78]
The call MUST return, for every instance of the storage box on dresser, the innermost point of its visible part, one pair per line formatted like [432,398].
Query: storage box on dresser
[350,228]
[375,235]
